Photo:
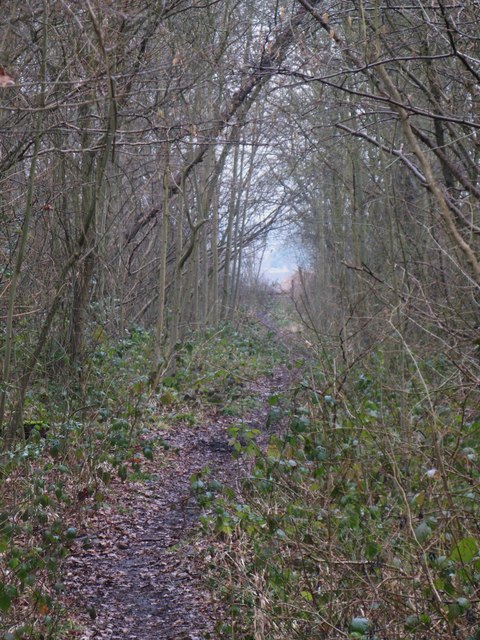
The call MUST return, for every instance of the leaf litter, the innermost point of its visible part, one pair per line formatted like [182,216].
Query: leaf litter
[136,571]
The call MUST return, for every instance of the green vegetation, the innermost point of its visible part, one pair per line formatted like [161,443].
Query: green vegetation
[360,521]
[154,156]
[77,439]
[80,439]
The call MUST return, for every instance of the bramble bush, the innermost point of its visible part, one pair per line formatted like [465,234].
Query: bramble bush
[357,522]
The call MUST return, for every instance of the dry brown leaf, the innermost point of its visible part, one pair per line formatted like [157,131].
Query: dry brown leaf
[5,79]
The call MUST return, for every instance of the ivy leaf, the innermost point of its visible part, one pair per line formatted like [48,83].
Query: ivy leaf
[359,625]
[412,622]
[273,400]
[122,472]
[463,603]
[423,532]
[148,453]
[7,594]
[454,611]
[418,499]
[300,424]
[465,550]
[70,533]
[5,601]
[321,454]
[372,550]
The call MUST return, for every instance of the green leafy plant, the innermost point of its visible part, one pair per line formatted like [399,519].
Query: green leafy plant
[350,527]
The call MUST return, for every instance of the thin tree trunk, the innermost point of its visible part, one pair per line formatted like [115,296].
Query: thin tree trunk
[175,312]
[162,274]
[73,259]
[232,207]
[214,301]
[12,294]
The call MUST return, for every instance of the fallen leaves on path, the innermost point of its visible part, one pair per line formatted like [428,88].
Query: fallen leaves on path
[135,573]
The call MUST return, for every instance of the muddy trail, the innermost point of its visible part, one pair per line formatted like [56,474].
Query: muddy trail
[141,577]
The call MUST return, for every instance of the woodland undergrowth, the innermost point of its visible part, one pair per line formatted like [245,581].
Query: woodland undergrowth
[84,434]
[361,519]
[358,519]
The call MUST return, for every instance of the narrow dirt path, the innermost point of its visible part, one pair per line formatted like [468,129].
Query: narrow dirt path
[142,577]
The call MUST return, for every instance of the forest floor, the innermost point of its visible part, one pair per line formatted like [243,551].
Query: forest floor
[142,576]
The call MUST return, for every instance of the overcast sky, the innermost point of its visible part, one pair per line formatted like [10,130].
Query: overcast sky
[279,260]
